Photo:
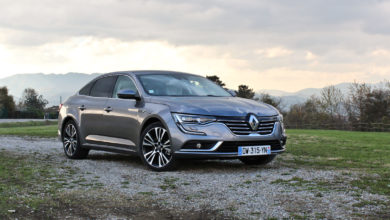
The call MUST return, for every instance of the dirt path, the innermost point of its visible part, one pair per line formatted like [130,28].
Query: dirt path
[227,187]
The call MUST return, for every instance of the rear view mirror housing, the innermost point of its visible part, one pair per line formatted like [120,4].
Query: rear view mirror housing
[128,94]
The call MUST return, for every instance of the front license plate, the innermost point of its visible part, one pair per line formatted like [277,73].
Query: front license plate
[254,150]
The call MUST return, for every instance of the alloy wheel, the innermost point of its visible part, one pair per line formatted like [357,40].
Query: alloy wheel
[156,147]
[70,139]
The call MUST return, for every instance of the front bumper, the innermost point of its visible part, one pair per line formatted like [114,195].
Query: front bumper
[222,143]
[214,155]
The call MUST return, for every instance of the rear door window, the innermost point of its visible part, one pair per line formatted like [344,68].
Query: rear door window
[103,87]
[86,89]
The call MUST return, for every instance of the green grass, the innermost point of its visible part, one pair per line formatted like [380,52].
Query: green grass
[27,124]
[23,181]
[37,131]
[34,189]
[365,152]
[169,183]
[368,152]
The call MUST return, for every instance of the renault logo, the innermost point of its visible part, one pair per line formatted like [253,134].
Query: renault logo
[253,122]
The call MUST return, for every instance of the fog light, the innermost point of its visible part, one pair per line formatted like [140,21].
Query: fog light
[198,145]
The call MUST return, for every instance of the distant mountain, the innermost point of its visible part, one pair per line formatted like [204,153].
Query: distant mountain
[51,86]
[291,98]
[54,86]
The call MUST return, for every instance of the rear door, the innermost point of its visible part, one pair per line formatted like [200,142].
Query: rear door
[92,108]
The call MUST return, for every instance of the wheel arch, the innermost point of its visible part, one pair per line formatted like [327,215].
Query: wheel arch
[66,120]
[150,120]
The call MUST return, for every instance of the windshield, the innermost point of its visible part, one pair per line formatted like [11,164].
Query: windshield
[180,85]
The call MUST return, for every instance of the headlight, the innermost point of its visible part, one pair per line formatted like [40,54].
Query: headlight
[280,118]
[186,122]
[193,119]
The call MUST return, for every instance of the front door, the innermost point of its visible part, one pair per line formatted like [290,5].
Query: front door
[121,118]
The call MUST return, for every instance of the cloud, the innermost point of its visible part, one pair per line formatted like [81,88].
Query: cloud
[274,52]
[380,52]
[254,42]
[260,23]
[310,56]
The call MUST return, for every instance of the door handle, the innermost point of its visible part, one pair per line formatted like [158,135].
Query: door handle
[108,109]
[82,108]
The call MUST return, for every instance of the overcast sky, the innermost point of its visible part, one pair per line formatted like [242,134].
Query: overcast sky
[285,45]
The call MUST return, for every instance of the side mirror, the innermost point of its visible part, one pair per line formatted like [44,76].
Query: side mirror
[232,92]
[128,94]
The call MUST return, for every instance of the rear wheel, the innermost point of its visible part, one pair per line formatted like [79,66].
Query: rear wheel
[71,142]
[156,149]
[258,160]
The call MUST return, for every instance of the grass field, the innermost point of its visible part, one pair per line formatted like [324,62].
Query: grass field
[31,128]
[22,176]
[37,131]
[27,124]
[364,153]
[34,189]
[368,152]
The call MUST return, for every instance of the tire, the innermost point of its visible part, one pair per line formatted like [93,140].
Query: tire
[71,142]
[258,160]
[156,141]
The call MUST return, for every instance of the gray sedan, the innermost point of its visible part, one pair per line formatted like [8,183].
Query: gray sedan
[164,116]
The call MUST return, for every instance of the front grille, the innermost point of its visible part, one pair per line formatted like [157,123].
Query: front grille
[232,146]
[240,125]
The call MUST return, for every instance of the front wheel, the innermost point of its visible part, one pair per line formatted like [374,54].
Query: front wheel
[258,160]
[156,149]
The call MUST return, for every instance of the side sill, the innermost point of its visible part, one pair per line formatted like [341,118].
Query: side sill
[109,140]
[108,148]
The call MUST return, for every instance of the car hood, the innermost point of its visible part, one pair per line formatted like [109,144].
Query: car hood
[218,106]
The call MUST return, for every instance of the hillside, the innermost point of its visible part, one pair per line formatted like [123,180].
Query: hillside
[291,98]
[54,86]
[51,86]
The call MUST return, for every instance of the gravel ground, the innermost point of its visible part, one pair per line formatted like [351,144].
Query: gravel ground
[236,190]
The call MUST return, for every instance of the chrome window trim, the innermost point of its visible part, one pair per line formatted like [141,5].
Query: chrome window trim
[119,74]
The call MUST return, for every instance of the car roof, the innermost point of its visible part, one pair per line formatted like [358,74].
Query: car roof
[146,72]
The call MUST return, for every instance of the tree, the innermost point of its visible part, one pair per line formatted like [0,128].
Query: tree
[364,108]
[216,80]
[7,104]
[377,106]
[332,100]
[33,102]
[366,105]
[307,114]
[267,98]
[245,92]
[355,103]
